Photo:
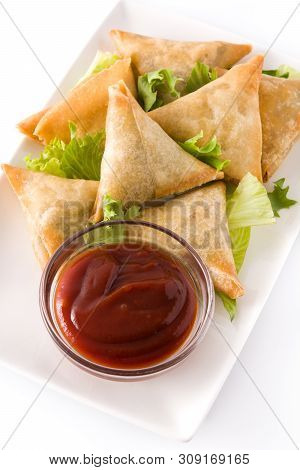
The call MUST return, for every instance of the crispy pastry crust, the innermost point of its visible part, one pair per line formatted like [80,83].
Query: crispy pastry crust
[85,105]
[228,108]
[150,54]
[141,161]
[28,125]
[55,207]
[200,218]
[280,117]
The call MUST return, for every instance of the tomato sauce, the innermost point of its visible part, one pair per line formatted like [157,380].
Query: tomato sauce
[125,306]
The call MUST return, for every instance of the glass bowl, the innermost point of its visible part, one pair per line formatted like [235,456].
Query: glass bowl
[129,232]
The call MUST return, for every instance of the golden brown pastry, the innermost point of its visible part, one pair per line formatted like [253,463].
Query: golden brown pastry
[28,125]
[279,102]
[86,105]
[148,54]
[280,117]
[55,207]
[228,108]
[200,218]
[141,161]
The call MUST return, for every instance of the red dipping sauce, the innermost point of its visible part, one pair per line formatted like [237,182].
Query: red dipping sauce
[125,306]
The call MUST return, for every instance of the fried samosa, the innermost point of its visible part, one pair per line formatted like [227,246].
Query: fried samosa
[228,108]
[280,117]
[148,54]
[199,216]
[85,105]
[140,160]
[55,207]
[279,102]
[28,125]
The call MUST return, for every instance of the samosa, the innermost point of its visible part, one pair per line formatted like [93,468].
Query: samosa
[280,117]
[149,54]
[140,160]
[228,108]
[199,216]
[28,125]
[279,103]
[55,207]
[85,105]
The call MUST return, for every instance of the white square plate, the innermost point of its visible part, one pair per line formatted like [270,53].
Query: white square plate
[175,403]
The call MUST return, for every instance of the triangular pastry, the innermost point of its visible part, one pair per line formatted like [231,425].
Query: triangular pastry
[55,207]
[149,54]
[140,160]
[280,118]
[199,217]
[85,105]
[228,108]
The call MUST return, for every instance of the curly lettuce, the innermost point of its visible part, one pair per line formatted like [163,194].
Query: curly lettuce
[209,153]
[154,87]
[113,210]
[79,159]
[101,61]
[201,74]
[278,197]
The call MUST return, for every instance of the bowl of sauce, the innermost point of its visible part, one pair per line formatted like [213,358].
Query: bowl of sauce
[126,299]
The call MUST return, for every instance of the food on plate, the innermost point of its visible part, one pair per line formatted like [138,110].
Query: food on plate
[140,160]
[200,218]
[85,105]
[152,142]
[133,319]
[278,197]
[149,54]
[158,88]
[162,86]
[228,108]
[283,71]
[247,205]
[200,75]
[279,102]
[101,61]
[28,125]
[280,118]
[55,207]
[79,159]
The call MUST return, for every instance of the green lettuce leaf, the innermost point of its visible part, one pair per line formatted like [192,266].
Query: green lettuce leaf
[283,71]
[201,74]
[278,197]
[79,159]
[133,212]
[276,73]
[48,162]
[153,87]
[240,238]
[249,204]
[101,61]
[113,210]
[208,153]
[229,304]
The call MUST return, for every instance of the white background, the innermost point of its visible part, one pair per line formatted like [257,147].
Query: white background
[240,419]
